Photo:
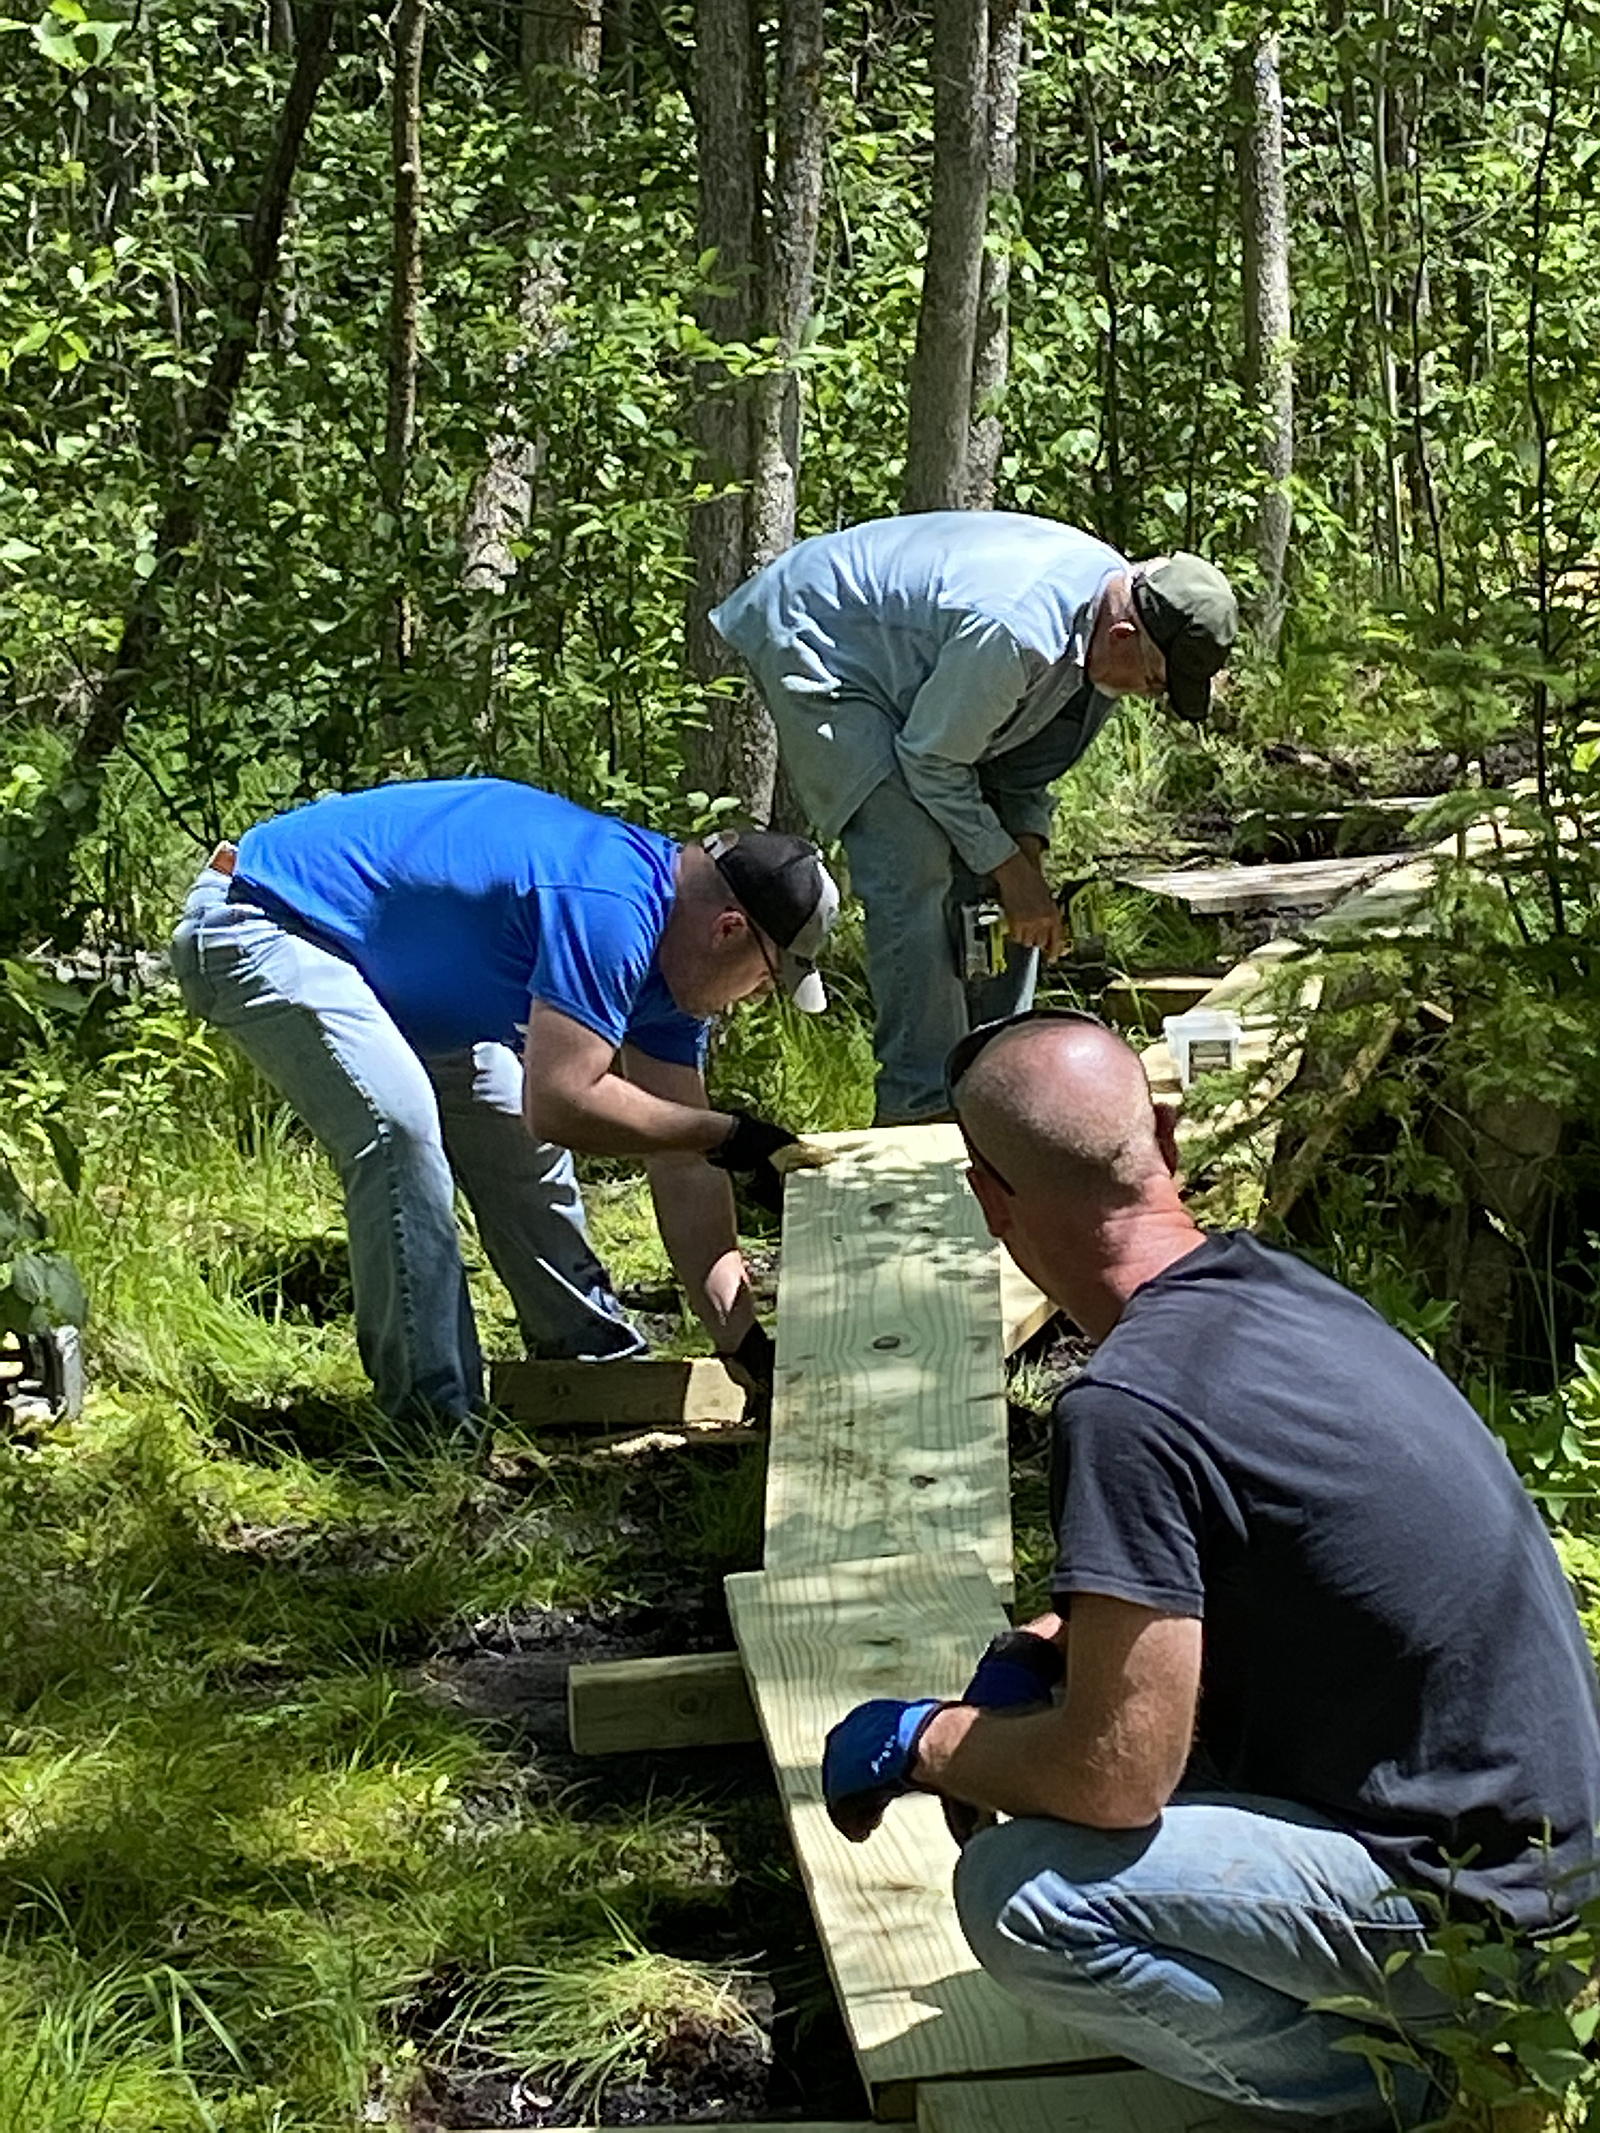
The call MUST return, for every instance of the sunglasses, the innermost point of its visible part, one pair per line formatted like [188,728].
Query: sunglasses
[963,1053]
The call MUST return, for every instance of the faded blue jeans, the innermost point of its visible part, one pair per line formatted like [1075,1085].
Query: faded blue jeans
[1194,1948]
[403,1131]
[913,885]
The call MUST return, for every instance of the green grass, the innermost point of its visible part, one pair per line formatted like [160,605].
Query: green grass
[256,1871]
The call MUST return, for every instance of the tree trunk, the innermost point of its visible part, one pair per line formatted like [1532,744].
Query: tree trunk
[1107,470]
[791,255]
[405,305]
[1269,362]
[947,320]
[733,752]
[500,507]
[141,629]
[991,359]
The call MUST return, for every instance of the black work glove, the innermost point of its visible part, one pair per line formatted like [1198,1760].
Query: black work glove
[751,1363]
[1018,1669]
[747,1153]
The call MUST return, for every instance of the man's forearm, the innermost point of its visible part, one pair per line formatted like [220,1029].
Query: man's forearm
[694,1213]
[1023,1763]
[617,1117]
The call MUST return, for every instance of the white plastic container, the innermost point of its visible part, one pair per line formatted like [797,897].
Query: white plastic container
[1204,1041]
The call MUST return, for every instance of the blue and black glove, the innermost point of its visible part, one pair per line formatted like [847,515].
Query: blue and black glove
[1020,1667]
[747,1153]
[867,1760]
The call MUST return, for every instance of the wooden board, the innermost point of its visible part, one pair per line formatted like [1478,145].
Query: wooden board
[815,1643]
[1391,903]
[1292,884]
[665,1391]
[888,1431]
[1023,1308]
[1140,1003]
[694,1700]
[1076,2103]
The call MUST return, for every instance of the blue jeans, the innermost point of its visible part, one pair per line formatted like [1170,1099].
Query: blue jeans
[913,885]
[1195,1947]
[403,1131]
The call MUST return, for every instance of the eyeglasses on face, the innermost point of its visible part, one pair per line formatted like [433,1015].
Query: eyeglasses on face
[967,1049]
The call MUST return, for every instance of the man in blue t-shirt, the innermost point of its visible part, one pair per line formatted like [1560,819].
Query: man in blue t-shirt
[1320,1674]
[929,677]
[462,983]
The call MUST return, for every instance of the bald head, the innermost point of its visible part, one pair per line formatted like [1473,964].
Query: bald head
[1063,1109]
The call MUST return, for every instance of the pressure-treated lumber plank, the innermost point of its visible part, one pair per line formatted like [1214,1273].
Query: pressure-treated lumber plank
[668,1391]
[694,1700]
[888,1409]
[1075,2103]
[814,1644]
[1023,1308]
[766,2125]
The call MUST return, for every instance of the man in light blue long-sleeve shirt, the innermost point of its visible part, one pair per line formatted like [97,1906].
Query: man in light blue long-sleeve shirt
[930,676]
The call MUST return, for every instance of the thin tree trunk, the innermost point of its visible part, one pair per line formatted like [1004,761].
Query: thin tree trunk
[991,360]
[792,223]
[241,314]
[1107,472]
[1269,362]
[500,506]
[732,752]
[405,306]
[1383,295]
[947,320]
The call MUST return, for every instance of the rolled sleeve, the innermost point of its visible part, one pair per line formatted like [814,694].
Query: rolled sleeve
[973,690]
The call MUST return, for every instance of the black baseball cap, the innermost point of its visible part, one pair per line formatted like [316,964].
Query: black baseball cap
[781,883]
[1187,608]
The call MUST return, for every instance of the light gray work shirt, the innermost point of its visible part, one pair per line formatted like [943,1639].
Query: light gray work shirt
[941,643]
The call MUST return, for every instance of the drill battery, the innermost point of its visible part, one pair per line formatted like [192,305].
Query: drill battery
[983,940]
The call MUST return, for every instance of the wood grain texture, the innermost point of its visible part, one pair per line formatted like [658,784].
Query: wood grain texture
[815,1643]
[888,1431]
[1241,888]
[1075,2103]
[660,1390]
[1023,1308]
[694,1700]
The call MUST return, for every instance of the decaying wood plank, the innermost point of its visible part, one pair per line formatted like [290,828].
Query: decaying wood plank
[888,1411]
[815,1643]
[1074,2103]
[665,1391]
[694,1700]
[1237,887]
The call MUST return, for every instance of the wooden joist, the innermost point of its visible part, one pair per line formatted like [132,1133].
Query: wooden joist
[659,1392]
[815,1643]
[888,1414]
[1075,2103]
[1141,1003]
[1023,1308]
[1246,993]
[625,1706]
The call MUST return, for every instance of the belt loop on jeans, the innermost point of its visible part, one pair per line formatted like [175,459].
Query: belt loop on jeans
[224,859]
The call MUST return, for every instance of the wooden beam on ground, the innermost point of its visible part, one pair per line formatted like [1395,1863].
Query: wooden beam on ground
[888,1431]
[1023,1308]
[1392,902]
[765,2125]
[1129,2102]
[1140,1003]
[694,1700]
[663,1392]
[1290,886]
[815,1643]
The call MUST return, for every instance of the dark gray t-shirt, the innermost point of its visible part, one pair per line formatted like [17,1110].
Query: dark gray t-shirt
[1388,1635]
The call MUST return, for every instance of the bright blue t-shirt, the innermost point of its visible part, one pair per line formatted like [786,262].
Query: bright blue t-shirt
[462,901]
